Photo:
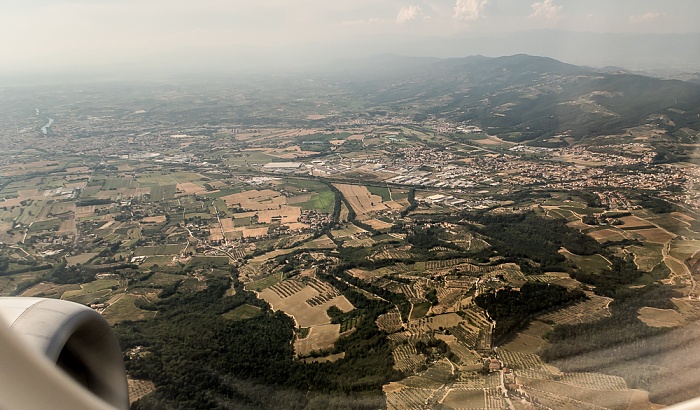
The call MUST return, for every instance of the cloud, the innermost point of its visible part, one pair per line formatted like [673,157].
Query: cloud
[408,13]
[645,18]
[546,9]
[469,10]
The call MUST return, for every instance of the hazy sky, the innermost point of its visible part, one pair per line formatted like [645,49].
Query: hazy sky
[58,35]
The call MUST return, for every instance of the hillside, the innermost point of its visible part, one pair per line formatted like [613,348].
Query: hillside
[525,98]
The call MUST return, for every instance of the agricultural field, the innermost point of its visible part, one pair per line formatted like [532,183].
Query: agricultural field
[655,235]
[561,393]
[256,200]
[365,203]
[49,290]
[660,317]
[469,399]
[592,263]
[646,257]
[156,219]
[684,249]
[530,340]
[299,301]
[172,249]
[122,308]
[595,308]
[320,338]
[607,235]
[243,312]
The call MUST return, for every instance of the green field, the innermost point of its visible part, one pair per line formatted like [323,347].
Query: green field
[30,212]
[420,310]
[50,225]
[204,261]
[648,256]
[243,312]
[124,309]
[223,192]
[322,202]
[171,249]
[155,260]
[249,158]
[590,263]
[266,282]
[91,287]
[683,249]
[304,185]
[399,194]
[163,192]
[112,184]
[160,279]
[184,176]
[383,192]
[89,298]
[155,179]
[562,213]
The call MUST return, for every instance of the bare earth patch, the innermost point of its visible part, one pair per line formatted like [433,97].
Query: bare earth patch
[139,388]
[190,188]
[256,200]
[320,337]
[605,235]
[634,222]
[529,340]
[154,219]
[655,235]
[304,314]
[360,199]
[660,317]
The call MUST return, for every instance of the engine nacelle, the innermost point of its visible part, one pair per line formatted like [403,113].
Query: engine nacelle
[75,338]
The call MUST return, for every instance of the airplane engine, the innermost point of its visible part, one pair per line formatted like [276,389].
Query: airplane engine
[75,339]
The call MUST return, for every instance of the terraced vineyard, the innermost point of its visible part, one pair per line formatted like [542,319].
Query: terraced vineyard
[447,297]
[473,381]
[475,331]
[520,361]
[390,254]
[593,381]
[583,312]
[238,253]
[459,282]
[411,336]
[287,288]
[466,335]
[557,395]
[390,322]
[463,353]
[408,398]
[407,358]
[448,263]
[494,399]
[414,295]
[325,290]
[550,400]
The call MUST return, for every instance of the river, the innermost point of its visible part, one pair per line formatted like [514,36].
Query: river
[45,128]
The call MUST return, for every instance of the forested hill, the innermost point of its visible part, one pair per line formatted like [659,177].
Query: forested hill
[522,97]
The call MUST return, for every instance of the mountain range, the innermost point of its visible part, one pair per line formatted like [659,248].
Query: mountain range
[526,98]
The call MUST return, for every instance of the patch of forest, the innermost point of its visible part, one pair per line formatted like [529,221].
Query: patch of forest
[512,310]
[199,359]
[526,237]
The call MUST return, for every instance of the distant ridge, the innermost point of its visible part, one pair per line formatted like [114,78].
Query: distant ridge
[525,98]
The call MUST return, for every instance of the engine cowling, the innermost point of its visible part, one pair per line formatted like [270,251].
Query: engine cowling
[75,338]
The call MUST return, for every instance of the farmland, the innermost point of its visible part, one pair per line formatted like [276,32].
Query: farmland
[322,247]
